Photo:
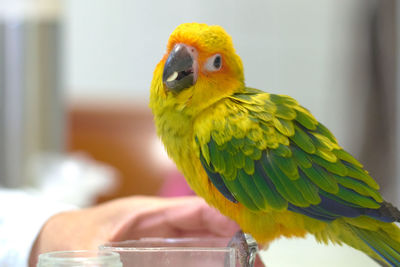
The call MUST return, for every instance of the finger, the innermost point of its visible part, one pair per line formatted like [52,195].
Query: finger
[159,217]
[218,223]
[193,214]
[171,217]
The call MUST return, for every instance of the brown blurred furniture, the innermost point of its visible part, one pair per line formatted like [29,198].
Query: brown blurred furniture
[121,135]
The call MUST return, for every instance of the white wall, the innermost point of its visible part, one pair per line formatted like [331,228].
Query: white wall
[315,51]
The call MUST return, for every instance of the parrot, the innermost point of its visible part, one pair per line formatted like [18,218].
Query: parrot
[262,159]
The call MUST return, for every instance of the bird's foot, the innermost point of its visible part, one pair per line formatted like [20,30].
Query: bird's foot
[246,248]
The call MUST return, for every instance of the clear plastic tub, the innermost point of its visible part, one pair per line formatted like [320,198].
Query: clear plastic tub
[176,252]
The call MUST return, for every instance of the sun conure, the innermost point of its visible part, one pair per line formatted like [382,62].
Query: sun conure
[262,159]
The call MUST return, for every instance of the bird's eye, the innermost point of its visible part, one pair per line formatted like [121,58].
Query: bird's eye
[214,63]
[217,62]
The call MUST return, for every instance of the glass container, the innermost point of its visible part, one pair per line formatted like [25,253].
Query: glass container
[176,252]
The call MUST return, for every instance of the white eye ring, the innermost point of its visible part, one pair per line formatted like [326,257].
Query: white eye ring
[214,63]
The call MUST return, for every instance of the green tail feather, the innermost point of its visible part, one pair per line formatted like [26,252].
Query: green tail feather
[381,242]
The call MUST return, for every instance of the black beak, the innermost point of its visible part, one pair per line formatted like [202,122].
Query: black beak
[179,70]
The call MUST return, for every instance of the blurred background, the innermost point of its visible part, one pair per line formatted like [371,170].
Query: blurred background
[75,77]
[74,88]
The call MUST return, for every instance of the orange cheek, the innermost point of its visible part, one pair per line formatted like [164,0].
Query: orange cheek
[218,77]
[215,85]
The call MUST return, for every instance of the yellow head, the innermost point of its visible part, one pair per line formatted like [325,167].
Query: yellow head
[199,68]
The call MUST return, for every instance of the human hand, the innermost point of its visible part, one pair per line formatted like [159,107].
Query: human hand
[131,218]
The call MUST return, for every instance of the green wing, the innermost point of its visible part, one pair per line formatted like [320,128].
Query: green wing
[269,153]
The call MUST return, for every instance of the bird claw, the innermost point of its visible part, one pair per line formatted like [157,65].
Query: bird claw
[246,248]
[252,249]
